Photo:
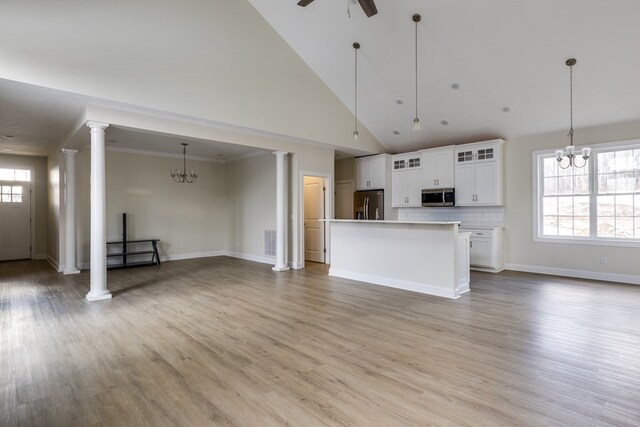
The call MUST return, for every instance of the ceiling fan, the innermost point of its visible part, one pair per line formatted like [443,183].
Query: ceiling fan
[368,6]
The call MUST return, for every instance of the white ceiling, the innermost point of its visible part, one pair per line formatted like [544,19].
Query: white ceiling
[39,118]
[503,53]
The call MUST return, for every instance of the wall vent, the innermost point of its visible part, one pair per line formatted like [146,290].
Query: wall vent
[270,242]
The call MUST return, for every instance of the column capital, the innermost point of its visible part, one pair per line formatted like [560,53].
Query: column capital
[280,153]
[68,152]
[97,125]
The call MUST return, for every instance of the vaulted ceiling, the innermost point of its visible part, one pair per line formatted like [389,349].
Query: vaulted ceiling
[501,54]
[504,55]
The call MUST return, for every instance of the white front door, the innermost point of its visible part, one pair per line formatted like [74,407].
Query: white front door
[15,220]
[313,212]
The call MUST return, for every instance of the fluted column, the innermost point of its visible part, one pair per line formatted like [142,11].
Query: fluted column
[281,214]
[70,251]
[98,280]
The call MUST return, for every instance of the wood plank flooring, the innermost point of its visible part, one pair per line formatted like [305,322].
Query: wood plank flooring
[221,341]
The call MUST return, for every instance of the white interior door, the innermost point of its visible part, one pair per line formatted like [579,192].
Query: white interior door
[15,220]
[314,238]
[344,200]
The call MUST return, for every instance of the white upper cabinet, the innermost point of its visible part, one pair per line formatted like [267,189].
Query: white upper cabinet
[438,168]
[406,180]
[370,172]
[479,174]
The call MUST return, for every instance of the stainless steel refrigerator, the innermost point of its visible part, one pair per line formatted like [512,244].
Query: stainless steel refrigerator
[368,205]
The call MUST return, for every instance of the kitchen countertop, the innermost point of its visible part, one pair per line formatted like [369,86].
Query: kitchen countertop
[480,226]
[363,221]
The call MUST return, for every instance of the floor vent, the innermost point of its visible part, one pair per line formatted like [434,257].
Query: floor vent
[270,242]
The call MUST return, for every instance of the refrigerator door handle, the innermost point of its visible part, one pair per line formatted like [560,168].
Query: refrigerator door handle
[366,208]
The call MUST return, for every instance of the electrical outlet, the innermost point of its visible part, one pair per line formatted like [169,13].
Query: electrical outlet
[604,260]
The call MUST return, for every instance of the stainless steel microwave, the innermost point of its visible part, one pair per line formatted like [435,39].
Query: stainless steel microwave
[439,197]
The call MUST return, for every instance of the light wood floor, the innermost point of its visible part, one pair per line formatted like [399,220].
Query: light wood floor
[220,341]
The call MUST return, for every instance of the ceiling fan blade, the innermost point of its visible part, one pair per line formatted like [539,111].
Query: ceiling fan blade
[369,7]
[304,3]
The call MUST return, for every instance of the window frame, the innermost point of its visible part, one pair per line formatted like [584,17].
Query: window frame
[537,169]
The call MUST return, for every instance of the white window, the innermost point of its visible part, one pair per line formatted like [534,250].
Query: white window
[596,204]
[15,175]
[10,193]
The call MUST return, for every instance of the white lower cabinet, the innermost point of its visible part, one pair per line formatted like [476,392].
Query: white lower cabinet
[486,248]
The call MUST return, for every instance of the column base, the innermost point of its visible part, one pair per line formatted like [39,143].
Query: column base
[76,271]
[97,296]
[280,268]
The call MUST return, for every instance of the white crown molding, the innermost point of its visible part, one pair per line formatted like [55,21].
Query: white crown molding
[246,156]
[161,154]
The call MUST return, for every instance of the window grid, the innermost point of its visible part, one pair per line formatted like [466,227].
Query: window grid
[598,202]
[11,194]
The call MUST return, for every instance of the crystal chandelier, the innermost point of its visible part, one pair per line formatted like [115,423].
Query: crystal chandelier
[180,175]
[567,157]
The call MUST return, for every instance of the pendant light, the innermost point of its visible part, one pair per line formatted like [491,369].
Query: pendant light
[356,46]
[180,175]
[569,151]
[416,121]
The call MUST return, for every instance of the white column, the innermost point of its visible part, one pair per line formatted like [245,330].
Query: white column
[98,278]
[70,261]
[281,211]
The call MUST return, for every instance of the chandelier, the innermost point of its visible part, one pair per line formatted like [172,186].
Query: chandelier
[567,157]
[180,175]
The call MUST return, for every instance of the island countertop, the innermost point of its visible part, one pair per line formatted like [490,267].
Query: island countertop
[365,221]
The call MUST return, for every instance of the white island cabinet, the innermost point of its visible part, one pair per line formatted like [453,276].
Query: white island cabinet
[427,257]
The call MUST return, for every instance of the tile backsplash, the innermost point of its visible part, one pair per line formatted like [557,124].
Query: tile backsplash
[467,215]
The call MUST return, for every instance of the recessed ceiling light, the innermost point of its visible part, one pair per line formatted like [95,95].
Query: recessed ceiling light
[8,136]
[507,109]
[396,132]
[444,122]
[455,85]
[399,101]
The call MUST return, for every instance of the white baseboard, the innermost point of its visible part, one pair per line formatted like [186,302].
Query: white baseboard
[581,274]
[400,284]
[296,265]
[249,257]
[54,264]
[190,255]
[487,270]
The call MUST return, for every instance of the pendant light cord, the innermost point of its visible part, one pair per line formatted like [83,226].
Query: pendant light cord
[416,63]
[355,96]
[571,103]
[356,46]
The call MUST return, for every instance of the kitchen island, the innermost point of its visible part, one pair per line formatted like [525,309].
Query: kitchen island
[429,257]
